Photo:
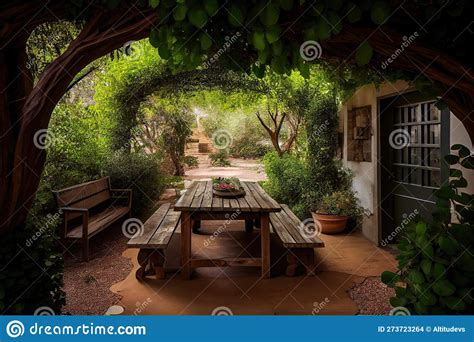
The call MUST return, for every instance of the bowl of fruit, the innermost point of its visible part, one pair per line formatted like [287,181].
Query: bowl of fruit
[227,187]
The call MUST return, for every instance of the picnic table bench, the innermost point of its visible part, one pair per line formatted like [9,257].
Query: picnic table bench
[153,241]
[297,239]
[88,209]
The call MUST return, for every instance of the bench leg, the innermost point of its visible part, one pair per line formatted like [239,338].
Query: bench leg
[249,226]
[300,257]
[151,262]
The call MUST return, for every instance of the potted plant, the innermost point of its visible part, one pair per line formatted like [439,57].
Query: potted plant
[334,211]
[227,187]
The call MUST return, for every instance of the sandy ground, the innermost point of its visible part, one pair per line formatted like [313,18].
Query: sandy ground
[347,282]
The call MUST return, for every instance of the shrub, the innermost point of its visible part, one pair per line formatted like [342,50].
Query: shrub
[139,172]
[435,264]
[341,203]
[287,177]
[219,159]
[191,162]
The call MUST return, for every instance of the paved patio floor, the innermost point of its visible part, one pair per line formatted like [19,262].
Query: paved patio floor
[345,261]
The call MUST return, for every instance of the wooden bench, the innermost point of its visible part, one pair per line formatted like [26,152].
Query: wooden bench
[89,208]
[153,241]
[300,246]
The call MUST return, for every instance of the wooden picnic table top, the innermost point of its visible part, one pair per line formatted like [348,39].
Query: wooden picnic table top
[199,197]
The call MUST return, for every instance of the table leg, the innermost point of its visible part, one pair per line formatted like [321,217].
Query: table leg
[265,238]
[186,227]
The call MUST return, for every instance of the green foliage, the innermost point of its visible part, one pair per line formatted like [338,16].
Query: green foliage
[287,178]
[37,267]
[139,172]
[219,158]
[321,125]
[341,203]
[435,264]
[320,21]
[191,162]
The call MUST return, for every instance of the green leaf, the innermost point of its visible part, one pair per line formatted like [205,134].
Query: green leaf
[455,303]
[426,266]
[205,40]
[451,159]
[323,29]
[396,301]
[463,151]
[197,17]
[211,6]
[179,13]
[154,3]
[380,12]
[258,40]
[400,291]
[438,270]
[273,33]
[363,54]
[354,13]
[459,183]
[164,52]
[428,298]
[444,288]
[468,162]
[455,173]
[390,278]
[269,15]
[277,48]
[416,276]
[154,38]
[421,228]
[286,4]
[235,17]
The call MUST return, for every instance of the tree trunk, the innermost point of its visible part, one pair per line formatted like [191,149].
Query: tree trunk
[25,110]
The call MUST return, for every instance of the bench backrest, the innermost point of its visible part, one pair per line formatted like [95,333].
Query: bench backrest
[85,195]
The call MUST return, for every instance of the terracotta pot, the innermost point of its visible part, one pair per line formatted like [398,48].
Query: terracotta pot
[330,224]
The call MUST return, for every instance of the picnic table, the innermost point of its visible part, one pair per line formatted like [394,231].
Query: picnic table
[199,203]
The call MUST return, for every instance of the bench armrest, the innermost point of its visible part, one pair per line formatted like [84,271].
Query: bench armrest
[129,195]
[85,219]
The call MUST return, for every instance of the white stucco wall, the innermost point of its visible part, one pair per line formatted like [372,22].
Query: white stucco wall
[365,181]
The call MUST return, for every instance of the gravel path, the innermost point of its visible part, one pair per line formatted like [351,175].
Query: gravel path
[372,296]
[87,284]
